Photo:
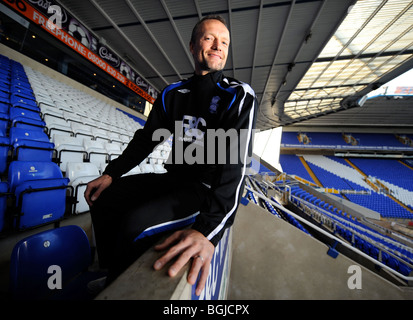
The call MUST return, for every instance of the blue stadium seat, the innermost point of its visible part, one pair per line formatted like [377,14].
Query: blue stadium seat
[16,112]
[30,145]
[28,123]
[4,104]
[4,121]
[67,250]
[4,188]
[31,150]
[27,134]
[4,153]
[40,192]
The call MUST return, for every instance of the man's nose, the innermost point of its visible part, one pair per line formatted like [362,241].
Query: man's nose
[216,45]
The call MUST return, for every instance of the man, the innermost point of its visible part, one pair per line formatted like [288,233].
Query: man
[129,212]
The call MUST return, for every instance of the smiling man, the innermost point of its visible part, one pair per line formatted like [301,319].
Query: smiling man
[198,200]
[209,46]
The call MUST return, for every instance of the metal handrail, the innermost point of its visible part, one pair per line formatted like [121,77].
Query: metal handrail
[329,235]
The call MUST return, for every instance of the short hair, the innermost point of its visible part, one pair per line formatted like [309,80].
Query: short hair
[195,30]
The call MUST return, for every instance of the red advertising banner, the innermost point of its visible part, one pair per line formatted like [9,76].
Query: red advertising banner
[404,90]
[38,18]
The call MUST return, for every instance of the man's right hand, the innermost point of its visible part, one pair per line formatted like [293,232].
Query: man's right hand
[95,187]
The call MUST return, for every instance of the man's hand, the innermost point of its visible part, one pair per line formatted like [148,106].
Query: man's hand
[187,244]
[95,187]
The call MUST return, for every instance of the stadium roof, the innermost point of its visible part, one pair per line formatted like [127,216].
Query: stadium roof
[305,59]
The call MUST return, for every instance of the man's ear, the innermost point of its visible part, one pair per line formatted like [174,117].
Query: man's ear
[191,47]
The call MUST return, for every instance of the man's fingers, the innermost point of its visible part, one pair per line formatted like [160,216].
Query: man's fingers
[183,259]
[171,253]
[188,244]
[203,278]
[95,187]
[168,241]
[197,264]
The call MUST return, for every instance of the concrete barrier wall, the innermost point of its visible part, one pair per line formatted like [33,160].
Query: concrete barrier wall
[141,282]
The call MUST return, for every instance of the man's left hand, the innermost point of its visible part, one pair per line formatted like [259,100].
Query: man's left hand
[187,244]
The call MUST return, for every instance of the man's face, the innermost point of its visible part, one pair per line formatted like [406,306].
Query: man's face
[210,49]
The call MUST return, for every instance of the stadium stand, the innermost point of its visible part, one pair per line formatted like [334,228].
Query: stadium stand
[51,133]
[323,189]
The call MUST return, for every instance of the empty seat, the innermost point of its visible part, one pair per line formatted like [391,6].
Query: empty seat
[79,174]
[21,113]
[114,137]
[113,149]
[69,149]
[80,129]
[146,167]
[28,123]
[57,125]
[4,188]
[159,168]
[136,170]
[96,151]
[4,152]
[100,134]
[52,264]
[30,145]
[40,192]
[4,121]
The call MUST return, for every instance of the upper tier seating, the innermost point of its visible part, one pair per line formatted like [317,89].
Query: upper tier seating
[335,173]
[333,140]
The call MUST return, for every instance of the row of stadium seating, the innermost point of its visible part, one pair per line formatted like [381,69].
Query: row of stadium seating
[54,139]
[282,214]
[382,248]
[388,251]
[334,172]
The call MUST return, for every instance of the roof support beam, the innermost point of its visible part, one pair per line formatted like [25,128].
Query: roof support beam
[145,26]
[127,39]
[184,46]
[232,46]
[198,9]
[265,99]
[256,42]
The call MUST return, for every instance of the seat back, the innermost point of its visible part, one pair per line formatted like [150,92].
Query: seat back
[32,150]
[24,113]
[81,169]
[4,188]
[27,134]
[4,151]
[41,258]
[40,192]
[80,173]
[65,141]
[20,171]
